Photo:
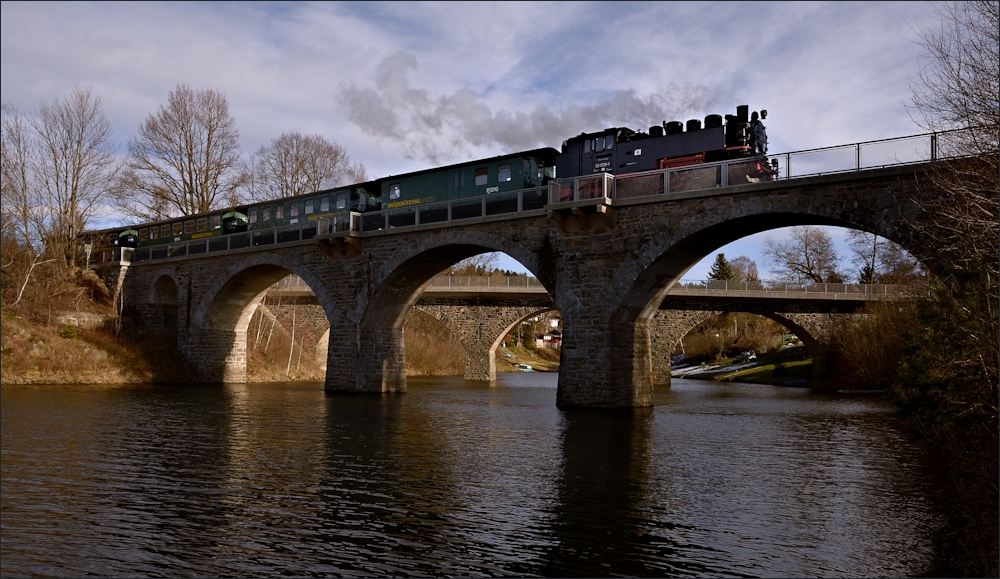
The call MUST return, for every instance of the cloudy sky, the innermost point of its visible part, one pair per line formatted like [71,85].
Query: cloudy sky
[407,86]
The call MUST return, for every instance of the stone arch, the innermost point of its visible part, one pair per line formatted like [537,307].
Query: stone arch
[245,282]
[216,339]
[671,325]
[164,289]
[481,335]
[639,285]
[163,299]
[413,266]
[390,292]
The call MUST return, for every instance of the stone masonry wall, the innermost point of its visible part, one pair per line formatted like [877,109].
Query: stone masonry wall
[480,323]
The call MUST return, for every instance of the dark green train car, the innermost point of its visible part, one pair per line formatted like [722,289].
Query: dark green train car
[473,179]
[181,229]
[295,211]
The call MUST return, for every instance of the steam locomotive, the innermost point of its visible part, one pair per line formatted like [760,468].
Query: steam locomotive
[617,151]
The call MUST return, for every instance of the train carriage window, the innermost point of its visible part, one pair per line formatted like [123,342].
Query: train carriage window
[599,145]
[342,201]
[324,204]
[394,191]
[154,232]
[189,226]
[279,212]
[482,176]
[293,209]
[143,234]
[586,146]
[459,179]
[265,214]
[309,206]
[503,173]
[253,216]
[178,228]
[202,224]
[164,231]
[610,139]
[215,221]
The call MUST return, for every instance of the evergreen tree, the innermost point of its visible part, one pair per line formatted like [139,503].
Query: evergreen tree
[721,269]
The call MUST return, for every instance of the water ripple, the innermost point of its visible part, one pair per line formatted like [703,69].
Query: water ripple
[456,480]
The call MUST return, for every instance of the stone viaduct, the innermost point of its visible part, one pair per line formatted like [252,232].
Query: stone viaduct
[607,265]
[482,316]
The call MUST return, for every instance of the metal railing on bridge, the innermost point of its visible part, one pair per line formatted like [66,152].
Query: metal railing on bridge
[695,287]
[449,282]
[775,289]
[807,163]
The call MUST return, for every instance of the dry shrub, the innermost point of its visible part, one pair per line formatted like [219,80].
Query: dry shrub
[726,335]
[431,349]
[271,356]
[867,351]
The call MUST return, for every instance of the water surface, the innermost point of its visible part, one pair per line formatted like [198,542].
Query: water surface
[457,478]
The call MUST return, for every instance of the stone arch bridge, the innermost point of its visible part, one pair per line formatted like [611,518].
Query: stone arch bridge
[481,311]
[607,261]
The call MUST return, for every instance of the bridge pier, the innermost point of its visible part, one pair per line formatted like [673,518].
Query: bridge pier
[366,360]
[217,355]
[605,366]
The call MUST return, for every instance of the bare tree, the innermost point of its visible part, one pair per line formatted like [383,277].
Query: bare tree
[879,260]
[950,377]
[482,264]
[807,255]
[21,215]
[959,88]
[75,164]
[294,164]
[22,246]
[185,159]
[744,269]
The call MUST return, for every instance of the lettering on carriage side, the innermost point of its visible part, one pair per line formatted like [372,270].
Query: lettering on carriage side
[492,190]
[396,204]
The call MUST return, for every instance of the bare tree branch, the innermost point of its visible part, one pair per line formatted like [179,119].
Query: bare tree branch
[75,164]
[185,159]
[807,255]
[294,164]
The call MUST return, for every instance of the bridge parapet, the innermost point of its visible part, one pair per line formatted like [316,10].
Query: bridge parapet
[503,285]
[783,290]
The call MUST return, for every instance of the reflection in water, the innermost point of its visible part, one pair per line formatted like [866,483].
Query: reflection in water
[456,479]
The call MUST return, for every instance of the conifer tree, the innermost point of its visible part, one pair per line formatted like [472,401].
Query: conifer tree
[721,269]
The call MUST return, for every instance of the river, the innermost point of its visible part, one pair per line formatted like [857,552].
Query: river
[458,479]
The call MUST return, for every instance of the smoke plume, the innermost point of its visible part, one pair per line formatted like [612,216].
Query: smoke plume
[436,128]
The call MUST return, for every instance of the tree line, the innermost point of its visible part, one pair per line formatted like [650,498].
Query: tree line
[62,168]
[807,254]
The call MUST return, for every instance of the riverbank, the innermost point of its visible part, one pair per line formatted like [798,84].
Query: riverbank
[91,347]
[37,353]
